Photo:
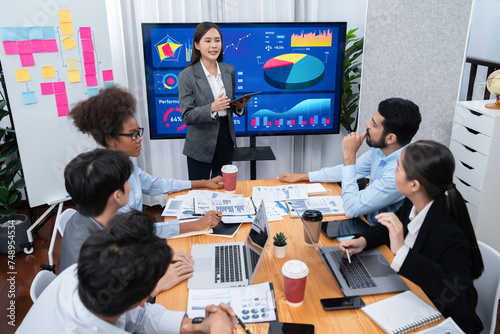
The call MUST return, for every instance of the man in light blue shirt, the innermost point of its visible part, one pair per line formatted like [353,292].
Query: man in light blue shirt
[391,128]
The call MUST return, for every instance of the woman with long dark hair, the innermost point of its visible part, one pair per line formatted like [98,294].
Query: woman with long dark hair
[431,235]
[206,86]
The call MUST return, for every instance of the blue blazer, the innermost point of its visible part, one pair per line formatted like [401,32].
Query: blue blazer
[195,99]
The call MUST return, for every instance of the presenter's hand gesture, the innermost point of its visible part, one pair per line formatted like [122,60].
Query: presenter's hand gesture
[241,104]
[350,145]
[220,103]
[396,233]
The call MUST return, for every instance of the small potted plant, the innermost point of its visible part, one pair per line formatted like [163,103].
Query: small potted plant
[279,245]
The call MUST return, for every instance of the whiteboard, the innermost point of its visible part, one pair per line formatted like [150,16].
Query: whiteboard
[47,139]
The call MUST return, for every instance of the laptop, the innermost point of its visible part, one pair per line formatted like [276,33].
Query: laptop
[230,264]
[369,272]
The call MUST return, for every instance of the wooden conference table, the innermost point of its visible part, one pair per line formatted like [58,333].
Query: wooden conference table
[320,283]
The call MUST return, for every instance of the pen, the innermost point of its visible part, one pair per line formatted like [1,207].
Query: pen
[348,256]
[243,325]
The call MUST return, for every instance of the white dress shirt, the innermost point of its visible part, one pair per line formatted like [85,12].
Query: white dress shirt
[216,85]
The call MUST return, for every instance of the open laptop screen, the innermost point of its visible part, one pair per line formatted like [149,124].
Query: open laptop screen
[256,240]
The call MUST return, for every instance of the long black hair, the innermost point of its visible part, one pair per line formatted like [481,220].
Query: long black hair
[199,32]
[432,164]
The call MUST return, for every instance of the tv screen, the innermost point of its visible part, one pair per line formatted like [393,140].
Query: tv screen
[298,67]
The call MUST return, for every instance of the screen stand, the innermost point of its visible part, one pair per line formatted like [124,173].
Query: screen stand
[252,154]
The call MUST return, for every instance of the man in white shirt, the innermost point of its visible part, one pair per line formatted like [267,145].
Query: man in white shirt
[391,128]
[106,292]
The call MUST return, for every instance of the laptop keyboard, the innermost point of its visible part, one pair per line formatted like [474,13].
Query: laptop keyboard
[354,273]
[228,264]
[254,258]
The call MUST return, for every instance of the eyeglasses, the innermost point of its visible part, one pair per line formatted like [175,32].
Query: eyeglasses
[133,135]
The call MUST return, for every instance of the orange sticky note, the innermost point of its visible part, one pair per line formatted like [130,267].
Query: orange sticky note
[67,28]
[23,75]
[74,76]
[69,43]
[48,72]
[64,16]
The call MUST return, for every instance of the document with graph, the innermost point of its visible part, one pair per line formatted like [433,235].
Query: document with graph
[252,303]
[228,207]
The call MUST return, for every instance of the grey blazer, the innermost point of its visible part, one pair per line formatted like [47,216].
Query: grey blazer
[195,99]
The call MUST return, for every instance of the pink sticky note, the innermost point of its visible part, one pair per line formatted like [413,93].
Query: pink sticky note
[88,57]
[27,59]
[47,88]
[62,110]
[38,45]
[60,87]
[10,47]
[61,99]
[89,68]
[50,45]
[91,80]
[107,75]
[87,45]
[24,47]
[85,33]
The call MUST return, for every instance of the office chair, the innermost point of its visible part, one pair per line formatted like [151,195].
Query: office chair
[488,288]
[60,224]
[40,282]
[63,219]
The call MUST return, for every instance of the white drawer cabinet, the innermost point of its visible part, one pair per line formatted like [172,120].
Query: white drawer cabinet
[475,143]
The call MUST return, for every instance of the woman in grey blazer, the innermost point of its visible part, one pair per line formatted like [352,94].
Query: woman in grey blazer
[206,86]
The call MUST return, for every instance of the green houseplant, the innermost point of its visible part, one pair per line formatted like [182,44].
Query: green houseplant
[279,245]
[350,83]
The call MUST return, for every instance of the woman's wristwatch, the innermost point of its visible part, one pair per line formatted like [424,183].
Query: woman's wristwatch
[198,320]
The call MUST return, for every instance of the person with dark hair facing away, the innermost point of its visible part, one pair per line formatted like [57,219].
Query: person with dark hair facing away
[391,128]
[106,291]
[431,235]
[109,117]
[98,183]
[206,86]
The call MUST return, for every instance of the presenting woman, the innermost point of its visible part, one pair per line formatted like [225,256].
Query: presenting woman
[206,87]
[435,246]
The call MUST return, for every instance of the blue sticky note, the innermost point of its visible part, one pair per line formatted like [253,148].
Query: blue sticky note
[108,84]
[22,33]
[48,33]
[92,91]
[8,34]
[345,238]
[29,97]
[35,32]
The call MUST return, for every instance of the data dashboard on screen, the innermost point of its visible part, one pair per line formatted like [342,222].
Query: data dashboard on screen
[298,67]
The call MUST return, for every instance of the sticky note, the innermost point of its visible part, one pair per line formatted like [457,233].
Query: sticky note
[8,33]
[47,88]
[92,91]
[64,15]
[29,97]
[27,59]
[35,32]
[24,46]
[48,33]
[88,57]
[48,72]
[108,84]
[69,43]
[74,76]
[23,75]
[50,45]
[107,75]
[61,99]
[59,87]
[22,33]
[67,28]
[72,64]
[37,46]
[87,45]
[10,47]
[89,68]
[62,110]
[85,33]
[91,80]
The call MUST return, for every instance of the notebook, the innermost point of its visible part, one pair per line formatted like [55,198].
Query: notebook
[230,264]
[401,313]
[369,272]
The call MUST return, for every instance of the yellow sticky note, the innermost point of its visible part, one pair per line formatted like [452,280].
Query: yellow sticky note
[69,43]
[67,28]
[72,64]
[64,15]
[74,76]
[48,72]
[23,75]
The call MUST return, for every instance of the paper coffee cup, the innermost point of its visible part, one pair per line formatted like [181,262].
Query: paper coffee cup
[312,222]
[295,275]
[229,175]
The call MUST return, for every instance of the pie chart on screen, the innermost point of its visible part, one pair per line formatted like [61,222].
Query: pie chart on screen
[293,71]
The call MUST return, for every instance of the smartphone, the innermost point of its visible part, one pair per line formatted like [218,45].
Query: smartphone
[343,227]
[342,303]
[290,328]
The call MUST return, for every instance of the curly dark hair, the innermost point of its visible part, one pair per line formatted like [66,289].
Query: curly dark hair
[103,114]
